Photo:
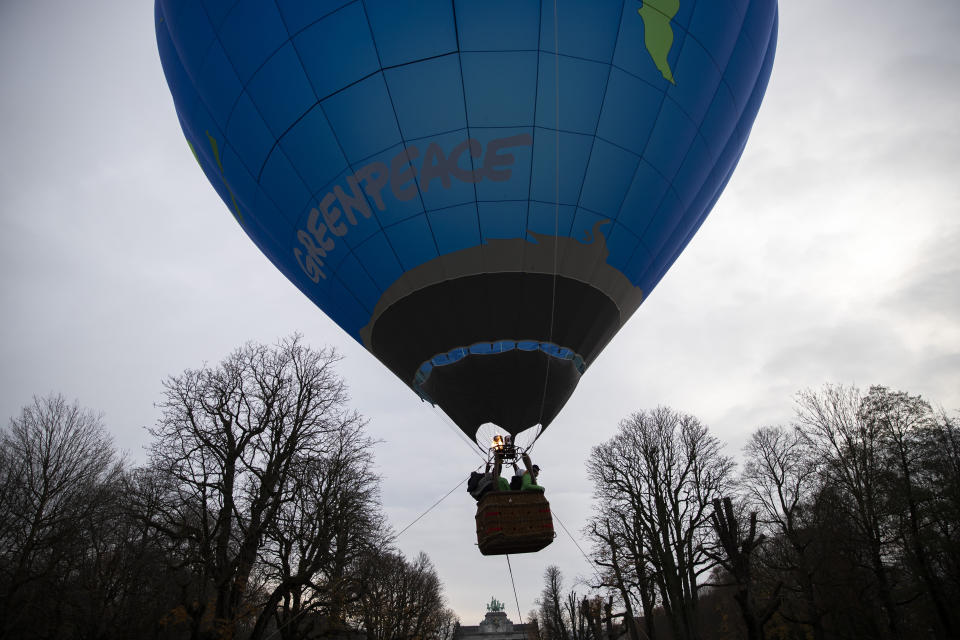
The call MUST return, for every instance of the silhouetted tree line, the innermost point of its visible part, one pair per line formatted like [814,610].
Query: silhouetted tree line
[568,615]
[257,516]
[843,524]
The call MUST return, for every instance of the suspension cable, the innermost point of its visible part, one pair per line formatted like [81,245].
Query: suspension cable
[450,424]
[593,565]
[436,503]
[514,583]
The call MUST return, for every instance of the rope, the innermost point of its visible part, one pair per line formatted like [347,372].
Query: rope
[529,447]
[515,596]
[449,423]
[435,504]
[592,564]
[537,437]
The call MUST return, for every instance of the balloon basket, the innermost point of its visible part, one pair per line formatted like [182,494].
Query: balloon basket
[510,522]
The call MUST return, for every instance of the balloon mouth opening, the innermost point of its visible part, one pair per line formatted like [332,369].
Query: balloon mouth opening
[488,431]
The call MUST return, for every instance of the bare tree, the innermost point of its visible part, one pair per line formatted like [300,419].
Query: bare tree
[780,480]
[940,451]
[903,421]
[600,618]
[55,458]
[663,469]
[580,625]
[617,550]
[313,547]
[119,584]
[552,617]
[737,546]
[225,460]
[850,447]
[402,600]
[565,615]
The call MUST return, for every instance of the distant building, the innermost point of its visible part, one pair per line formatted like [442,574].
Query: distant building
[496,626]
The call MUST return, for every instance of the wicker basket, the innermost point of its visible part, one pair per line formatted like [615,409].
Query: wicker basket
[513,522]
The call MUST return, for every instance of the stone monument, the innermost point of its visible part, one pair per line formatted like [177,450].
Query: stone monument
[496,626]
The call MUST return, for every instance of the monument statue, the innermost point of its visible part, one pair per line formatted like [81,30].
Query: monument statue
[495,605]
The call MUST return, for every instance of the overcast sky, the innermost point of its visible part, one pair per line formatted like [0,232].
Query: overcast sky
[831,257]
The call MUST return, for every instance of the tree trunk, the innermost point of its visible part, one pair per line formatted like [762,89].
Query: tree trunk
[946,629]
[608,615]
[885,592]
[814,614]
[754,628]
[267,612]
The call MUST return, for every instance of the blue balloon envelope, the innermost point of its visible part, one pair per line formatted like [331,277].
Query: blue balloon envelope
[481,193]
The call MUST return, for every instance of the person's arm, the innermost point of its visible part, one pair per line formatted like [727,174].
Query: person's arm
[527,463]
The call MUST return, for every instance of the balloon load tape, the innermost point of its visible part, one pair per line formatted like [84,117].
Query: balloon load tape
[492,348]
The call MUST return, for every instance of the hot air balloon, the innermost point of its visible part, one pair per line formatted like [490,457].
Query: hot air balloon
[480,193]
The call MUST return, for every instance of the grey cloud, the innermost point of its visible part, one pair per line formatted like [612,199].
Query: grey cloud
[857,350]
[932,286]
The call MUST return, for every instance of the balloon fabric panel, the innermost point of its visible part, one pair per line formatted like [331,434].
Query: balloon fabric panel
[449,181]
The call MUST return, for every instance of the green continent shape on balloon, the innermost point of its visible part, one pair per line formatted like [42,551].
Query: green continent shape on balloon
[657,32]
